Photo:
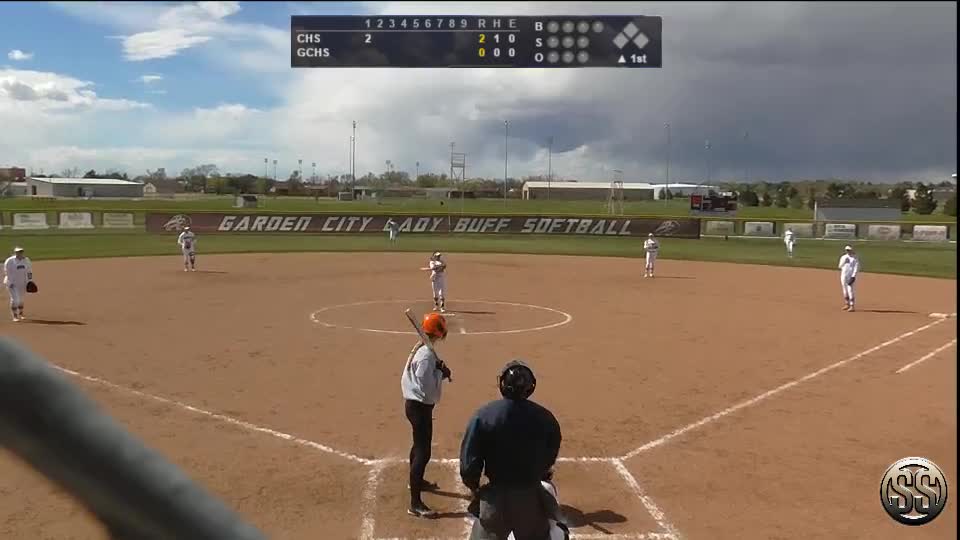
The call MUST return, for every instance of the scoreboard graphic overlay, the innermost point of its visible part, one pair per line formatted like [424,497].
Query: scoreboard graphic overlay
[461,41]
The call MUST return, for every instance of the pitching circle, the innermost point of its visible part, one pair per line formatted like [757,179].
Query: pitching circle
[315,317]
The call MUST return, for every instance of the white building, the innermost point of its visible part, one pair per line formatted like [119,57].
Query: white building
[632,191]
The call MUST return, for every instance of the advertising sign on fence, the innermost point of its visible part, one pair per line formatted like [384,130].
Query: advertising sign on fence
[883,232]
[76,220]
[846,231]
[800,230]
[930,233]
[720,228]
[758,228]
[113,220]
[32,220]
[456,224]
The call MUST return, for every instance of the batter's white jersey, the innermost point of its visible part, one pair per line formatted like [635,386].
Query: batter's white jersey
[16,272]
[187,241]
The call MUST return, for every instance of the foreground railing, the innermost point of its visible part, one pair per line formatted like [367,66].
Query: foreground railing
[136,493]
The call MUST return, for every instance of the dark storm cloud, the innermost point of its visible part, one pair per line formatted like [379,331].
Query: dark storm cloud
[846,90]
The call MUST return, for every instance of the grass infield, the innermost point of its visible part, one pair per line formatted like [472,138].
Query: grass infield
[905,258]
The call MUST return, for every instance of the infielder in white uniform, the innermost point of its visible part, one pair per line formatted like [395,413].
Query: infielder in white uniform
[849,267]
[188,246]
[438,279]
[789,241]
[652,247]
[17,272]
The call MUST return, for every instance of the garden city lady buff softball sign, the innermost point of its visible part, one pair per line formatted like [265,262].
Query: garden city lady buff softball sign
[459,224]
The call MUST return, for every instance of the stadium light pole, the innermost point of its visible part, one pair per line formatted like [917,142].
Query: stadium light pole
[353,154]
[746,160]
[300,169]
[707,147]
[549,164]
[266,172]
[667,185]
[418,172]
[506,130]
[274,170]
[313,175]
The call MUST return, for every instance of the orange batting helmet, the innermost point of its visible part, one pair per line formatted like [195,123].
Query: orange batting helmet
[435,325]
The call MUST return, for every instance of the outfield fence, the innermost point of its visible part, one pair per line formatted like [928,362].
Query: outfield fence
[259,220]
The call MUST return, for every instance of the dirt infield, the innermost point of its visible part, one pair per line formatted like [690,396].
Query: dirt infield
[715,401]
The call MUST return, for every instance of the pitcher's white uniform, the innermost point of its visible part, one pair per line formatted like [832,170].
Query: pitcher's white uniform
[438,279]
[849,267]
[188,246]
[652,247]
[16,274]
[393,228]
[789,241]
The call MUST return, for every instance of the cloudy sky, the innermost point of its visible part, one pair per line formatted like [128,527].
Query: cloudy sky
[853,90]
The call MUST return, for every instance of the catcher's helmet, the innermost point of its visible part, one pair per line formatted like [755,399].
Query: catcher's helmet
[435,325]
[517,381]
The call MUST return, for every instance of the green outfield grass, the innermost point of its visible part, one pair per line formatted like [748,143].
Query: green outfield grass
[907,258]
[677,207]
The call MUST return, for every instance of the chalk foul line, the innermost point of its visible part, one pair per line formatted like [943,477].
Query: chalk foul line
[221,417]
[929,355]
[769,393]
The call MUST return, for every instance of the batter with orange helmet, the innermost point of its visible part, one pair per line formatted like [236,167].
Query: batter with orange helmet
[421,384]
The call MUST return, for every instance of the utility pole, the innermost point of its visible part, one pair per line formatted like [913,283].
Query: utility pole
[667,127]
[506,129]
[549,165]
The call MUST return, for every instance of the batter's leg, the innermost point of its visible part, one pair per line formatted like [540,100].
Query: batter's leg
[193,261]
[442,293]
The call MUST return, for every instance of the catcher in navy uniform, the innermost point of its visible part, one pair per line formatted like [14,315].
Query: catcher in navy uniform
[515,443]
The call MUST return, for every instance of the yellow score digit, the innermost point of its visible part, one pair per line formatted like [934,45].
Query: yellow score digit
[483,38]
[482,52]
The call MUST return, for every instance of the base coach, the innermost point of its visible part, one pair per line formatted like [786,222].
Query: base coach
[515,442]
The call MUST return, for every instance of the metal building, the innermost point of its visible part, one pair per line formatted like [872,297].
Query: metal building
[83,188]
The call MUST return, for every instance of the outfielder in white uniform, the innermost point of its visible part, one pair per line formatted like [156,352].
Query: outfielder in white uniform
[394,229]
[188,246]
[17,272]
[438,279]
[849,267]
[789,241]
[652,247]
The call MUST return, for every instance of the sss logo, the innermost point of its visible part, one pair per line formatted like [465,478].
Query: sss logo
[913,491]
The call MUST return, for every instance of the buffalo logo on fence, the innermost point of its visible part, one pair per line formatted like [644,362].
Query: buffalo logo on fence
[667,228]
[177,223]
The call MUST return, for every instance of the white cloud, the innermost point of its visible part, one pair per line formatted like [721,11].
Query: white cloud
[150,79]
[41,91]
[19,56]
[159,44]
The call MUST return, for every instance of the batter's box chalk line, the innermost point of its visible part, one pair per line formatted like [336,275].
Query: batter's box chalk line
[368,520]
[316,318]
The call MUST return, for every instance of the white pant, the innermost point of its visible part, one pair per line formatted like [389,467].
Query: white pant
[393,235]
[16,293]
[789,246]
[439,284]
[651,260]
[189,257]
[848,293]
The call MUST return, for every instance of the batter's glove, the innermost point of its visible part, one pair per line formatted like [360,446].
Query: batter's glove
[32,287]
[445,370]
[850,281]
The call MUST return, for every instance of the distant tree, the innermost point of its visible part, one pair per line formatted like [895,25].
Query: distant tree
[90,174]
[900,193]
[950,206]
[835,190]
[796,202]
[811,197]
[766,199]
[748,197]
[923,201]
[781,198]
[72,172]
[665,194]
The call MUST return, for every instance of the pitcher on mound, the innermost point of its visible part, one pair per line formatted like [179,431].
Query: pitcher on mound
[438,280]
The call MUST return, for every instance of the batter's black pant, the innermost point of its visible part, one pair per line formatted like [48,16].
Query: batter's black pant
[420,416]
